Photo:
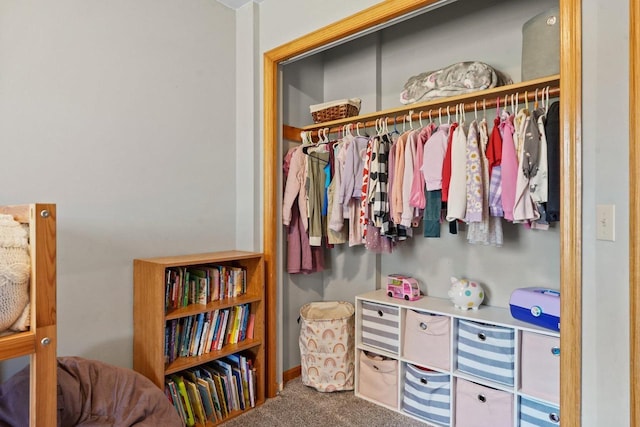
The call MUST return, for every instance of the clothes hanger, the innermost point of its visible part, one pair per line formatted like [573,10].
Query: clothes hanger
[420,118]
[410,121]
[475,109]
[448,116]
[484,109]
[440,116]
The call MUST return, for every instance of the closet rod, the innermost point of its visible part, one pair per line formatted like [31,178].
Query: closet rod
[470,101]
[441,110]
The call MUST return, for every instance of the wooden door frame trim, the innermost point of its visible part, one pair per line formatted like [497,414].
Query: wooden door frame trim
[571,197]
[634,211]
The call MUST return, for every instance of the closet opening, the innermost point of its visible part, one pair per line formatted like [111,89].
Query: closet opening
[279,110]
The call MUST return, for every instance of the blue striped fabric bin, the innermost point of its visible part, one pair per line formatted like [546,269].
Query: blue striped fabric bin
[427,394]
[537,414]
[486,351]
[380,326]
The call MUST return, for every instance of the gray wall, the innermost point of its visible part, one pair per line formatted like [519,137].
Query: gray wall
[122,113]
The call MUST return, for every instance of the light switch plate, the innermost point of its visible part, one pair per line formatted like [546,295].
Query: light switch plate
[605,222]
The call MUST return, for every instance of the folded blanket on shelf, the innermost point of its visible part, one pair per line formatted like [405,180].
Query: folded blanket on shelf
[456,79]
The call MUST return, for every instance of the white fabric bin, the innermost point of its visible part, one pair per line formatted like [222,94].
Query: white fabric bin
[427,339]
[426,394]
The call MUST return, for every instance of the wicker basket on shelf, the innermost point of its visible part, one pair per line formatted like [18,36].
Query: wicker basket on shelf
[335,110]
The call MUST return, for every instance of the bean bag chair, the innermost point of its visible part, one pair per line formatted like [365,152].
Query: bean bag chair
[91,394]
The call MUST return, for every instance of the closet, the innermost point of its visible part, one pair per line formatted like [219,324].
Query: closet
[39,342]
[396,40]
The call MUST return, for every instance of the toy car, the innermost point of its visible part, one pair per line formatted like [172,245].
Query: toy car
[403,287]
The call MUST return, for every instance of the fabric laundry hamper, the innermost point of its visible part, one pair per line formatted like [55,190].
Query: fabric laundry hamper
[327,353]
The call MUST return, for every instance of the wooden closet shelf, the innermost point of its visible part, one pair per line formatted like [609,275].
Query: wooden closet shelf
[472,101]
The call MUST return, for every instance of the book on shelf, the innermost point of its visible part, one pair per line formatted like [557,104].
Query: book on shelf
[231,391]
[185,335]
[175,398]
[239,368]
[200,274]
[196,402]
[222,387]
[223,329]
[244,323]
[184,399]
[203,336]
[252,386]
[236,323]
[207,399]
[250,326]
[215,327]
[197,332]
[221,390]
[208,378]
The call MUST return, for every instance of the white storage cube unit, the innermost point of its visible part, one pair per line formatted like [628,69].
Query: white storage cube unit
[427,394]
[380,326]
[486,351]
[475,368]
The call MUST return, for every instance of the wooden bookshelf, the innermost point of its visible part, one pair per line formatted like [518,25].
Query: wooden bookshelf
[151,316]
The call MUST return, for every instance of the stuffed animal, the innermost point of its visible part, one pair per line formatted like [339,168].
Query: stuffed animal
[456,79]
[466,294]
[15,266]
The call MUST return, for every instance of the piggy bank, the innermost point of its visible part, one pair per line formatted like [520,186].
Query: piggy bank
[465,294]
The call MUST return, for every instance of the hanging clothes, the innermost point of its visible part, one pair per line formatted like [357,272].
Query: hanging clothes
[552,134]
[295,189]
[417,198]
[509,166]
[457,203]
[409,213]
[494,159]
[473,177]
[524,209]
[301,257]
[336,208]
[489,230]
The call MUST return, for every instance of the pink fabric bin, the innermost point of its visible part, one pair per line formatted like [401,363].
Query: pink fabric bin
[540,366]
[378,379]
[480,406]
[427,339]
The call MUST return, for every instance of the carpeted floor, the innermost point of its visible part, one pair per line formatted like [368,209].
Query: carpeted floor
[301,406]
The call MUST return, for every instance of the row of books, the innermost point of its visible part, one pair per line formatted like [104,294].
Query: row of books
[202,284]
[214,390]
[209,331]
